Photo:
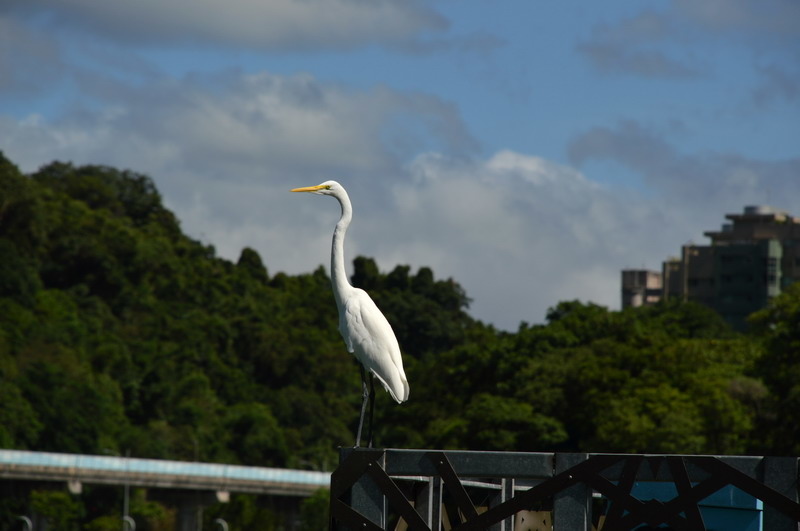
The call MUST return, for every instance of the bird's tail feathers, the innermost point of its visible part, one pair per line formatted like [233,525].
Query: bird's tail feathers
[398,392]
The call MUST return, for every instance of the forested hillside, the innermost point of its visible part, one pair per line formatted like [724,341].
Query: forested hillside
[118,333]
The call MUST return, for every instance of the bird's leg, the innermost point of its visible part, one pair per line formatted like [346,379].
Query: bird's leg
[371,408]
[364,397]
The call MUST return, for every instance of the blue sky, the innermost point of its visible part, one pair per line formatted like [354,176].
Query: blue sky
[530,150]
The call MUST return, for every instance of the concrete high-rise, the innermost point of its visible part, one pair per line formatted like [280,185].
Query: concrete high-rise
[640,287]
[748,262]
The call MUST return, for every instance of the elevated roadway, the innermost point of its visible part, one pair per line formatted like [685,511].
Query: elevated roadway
[76,469]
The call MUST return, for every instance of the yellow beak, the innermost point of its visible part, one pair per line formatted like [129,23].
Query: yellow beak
[309,188]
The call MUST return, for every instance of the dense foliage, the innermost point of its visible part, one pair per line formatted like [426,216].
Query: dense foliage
[118,333]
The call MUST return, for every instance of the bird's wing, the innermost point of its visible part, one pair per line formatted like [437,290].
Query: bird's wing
[372,340]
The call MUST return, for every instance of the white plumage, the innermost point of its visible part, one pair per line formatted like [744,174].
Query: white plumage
[370,337]
[366,332]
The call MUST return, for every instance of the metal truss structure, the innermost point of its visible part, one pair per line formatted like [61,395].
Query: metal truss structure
[387,489]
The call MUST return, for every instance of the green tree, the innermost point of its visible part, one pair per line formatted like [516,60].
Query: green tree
[314,512]
[777,327]
[60,509]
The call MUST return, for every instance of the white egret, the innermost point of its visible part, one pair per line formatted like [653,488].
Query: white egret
[366,332]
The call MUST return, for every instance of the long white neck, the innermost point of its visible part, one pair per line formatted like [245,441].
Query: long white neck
[338,273]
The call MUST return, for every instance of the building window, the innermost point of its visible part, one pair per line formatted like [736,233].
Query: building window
[772,264]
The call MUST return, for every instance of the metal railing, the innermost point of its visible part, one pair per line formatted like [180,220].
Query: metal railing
[387,489]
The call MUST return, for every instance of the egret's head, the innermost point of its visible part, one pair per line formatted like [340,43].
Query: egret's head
[326,188]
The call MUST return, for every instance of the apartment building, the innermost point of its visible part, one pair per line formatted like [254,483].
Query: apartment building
[640,287]
[751,259]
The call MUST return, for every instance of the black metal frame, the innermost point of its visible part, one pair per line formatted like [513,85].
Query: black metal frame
[371,485]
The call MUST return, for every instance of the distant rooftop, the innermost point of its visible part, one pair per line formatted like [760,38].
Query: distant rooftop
[763,211]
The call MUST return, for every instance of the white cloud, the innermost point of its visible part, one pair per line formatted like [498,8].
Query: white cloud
[518,231]
[29,62]
[259,24]
[691,181]
[778,84]
[678,40]
[224,150]
[636,45]
[763,19]
[230,124]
